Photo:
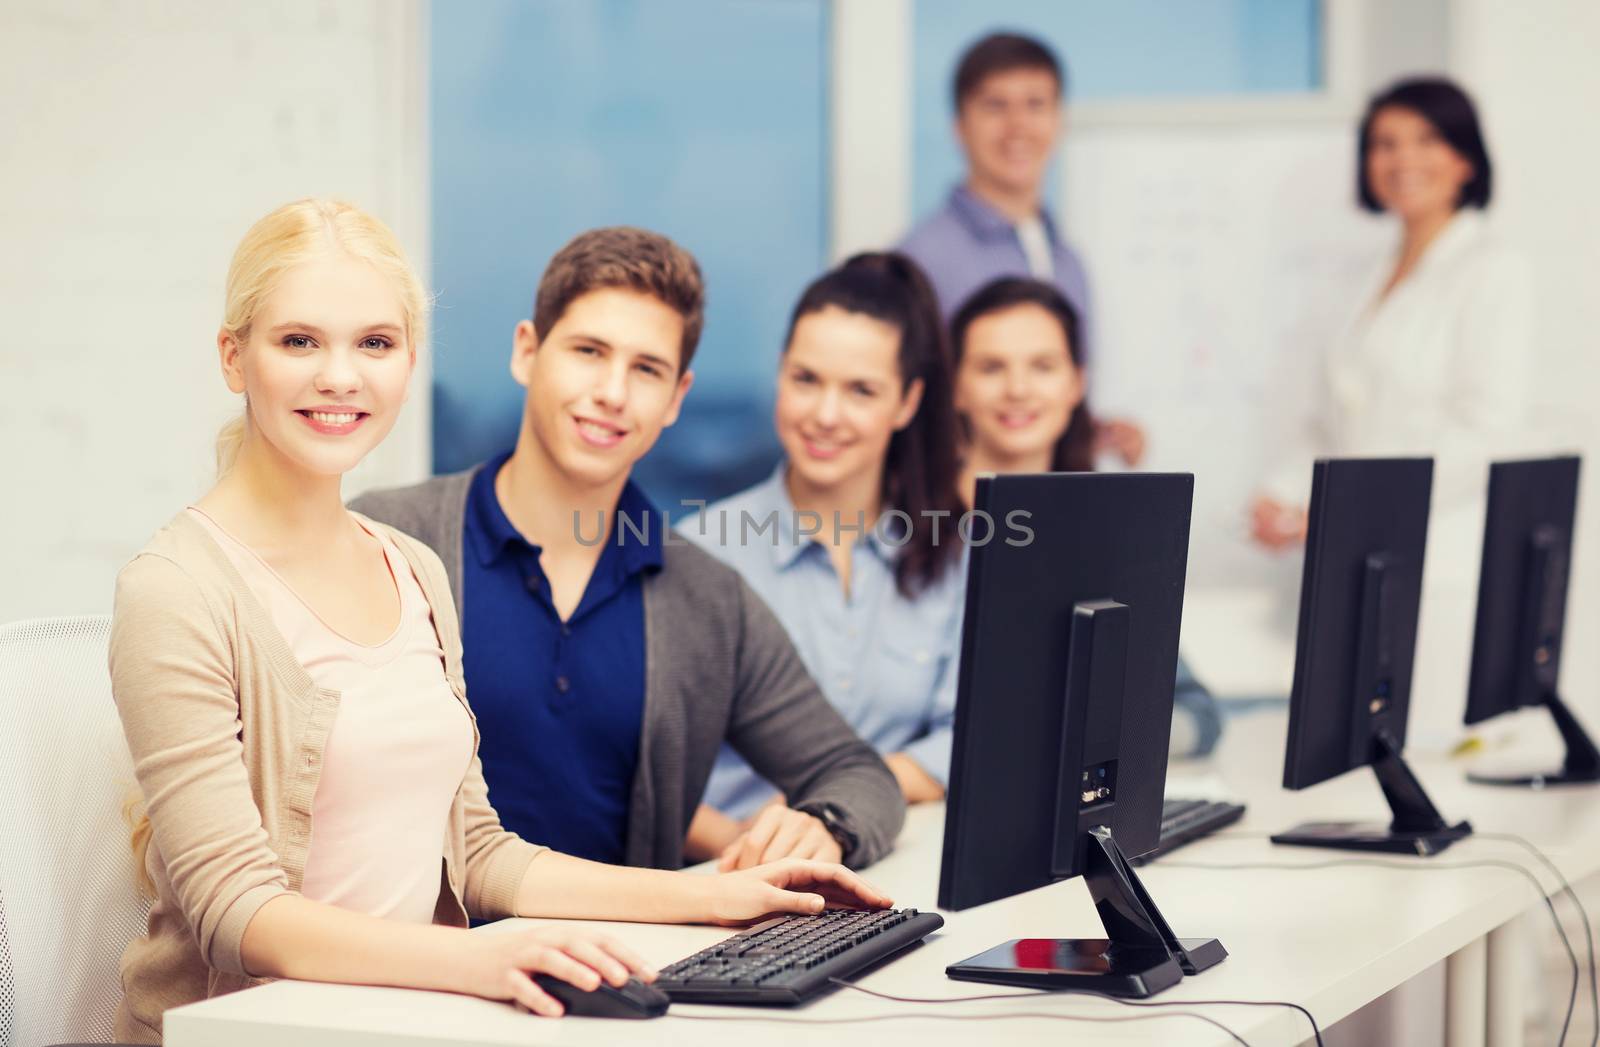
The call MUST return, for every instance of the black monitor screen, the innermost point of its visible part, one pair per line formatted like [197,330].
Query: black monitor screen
[1360,592]
[1122,538]
[1522,585]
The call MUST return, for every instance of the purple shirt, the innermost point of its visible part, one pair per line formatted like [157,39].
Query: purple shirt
[967,244]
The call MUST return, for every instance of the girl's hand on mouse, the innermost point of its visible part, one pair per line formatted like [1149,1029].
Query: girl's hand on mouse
[500,966]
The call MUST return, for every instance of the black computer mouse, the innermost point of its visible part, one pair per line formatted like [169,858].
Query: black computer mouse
[633,999]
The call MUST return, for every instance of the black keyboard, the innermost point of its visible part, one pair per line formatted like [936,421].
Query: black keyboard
[790,959]
[1183,821]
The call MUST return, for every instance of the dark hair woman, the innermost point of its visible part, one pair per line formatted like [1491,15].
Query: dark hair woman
[1019,382]
[1434,360]
[1021,398]
[1422,159]
[863,566]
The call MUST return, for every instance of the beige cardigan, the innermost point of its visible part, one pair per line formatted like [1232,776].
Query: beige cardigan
[227,732]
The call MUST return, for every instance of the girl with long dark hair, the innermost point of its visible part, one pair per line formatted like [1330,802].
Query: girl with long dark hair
[853,539]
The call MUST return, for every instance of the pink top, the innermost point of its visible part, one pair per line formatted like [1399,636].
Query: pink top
[395,757]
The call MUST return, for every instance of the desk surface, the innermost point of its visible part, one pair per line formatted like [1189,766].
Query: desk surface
[1331,939]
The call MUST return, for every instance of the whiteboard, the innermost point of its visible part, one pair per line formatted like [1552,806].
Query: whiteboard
[1222,259]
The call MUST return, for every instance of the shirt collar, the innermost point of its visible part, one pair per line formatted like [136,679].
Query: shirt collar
[492,533]
[640,544]
[489,530]
[986,223]
[773,493]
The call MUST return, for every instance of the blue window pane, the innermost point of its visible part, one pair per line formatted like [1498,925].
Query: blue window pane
[1130,49]
[549,117]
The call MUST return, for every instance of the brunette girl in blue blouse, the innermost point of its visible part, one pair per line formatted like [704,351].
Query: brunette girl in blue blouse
[853,539]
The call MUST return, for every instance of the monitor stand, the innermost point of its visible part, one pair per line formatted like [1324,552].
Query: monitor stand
[1418,827]
[1140,956]
[1582,763]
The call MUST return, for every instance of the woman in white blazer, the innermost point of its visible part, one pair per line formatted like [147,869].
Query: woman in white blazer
[1435,362]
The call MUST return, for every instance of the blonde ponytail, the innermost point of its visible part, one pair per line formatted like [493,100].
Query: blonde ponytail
[133,813]
[228,443]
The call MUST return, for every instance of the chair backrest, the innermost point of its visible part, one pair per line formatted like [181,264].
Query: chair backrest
[68,901]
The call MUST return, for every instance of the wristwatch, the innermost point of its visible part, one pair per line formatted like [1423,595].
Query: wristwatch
[836,821]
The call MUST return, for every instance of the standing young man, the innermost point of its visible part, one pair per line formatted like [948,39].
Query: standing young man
[606,658]
[1008,103]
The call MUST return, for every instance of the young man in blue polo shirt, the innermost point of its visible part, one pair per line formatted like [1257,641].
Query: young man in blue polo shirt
[606,658]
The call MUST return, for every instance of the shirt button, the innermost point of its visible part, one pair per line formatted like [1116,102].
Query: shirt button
[844,683]
[532,583]
[563,684]
[566,630]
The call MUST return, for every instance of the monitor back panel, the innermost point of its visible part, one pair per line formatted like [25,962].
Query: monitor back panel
[1121,537]
[1359,508]
[1523,497]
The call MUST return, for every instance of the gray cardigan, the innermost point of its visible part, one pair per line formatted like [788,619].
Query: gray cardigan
[718,667]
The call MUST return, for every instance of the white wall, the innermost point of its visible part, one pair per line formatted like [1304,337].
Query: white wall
[142,140]
[869,181]
[1532,68]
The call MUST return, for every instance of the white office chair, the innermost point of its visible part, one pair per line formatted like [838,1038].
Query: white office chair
[68,904]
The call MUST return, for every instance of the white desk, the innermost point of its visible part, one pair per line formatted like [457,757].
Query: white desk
[1331,940]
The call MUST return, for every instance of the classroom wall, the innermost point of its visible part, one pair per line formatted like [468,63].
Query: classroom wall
[146,138]
[141,141]
[1132,49]
[630,119]
[1533,68]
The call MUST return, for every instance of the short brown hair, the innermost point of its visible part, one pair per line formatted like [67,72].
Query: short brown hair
[1001,53]
[622,256]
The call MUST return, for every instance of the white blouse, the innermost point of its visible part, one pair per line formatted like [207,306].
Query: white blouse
[1438,367]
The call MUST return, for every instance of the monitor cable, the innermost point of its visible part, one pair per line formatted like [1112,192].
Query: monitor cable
[1108,1019]
[1572,896]
[1554,870]
[1316,1030]
[1487,863]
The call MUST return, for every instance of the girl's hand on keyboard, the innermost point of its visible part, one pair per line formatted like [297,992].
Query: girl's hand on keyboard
[793,885]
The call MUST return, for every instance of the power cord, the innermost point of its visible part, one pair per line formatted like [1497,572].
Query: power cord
[1487,863]
[1104,1019]
[1554,870]
[1316,1031]
[1572,895]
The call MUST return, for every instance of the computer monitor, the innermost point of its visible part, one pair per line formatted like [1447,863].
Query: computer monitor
[1063,711]
[1522,603]
[1360,593]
